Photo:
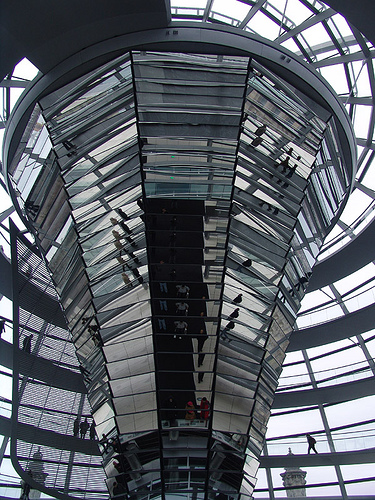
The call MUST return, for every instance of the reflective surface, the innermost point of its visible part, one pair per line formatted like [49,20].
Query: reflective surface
[180,187]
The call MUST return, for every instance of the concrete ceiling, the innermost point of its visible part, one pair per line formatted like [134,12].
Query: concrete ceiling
[49,32]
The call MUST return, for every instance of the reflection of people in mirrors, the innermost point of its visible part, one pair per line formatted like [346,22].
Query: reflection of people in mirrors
[163,305]
[205,409]
[180,328]
[125,227]
[238,299]
[182,308]
[189,411]
[162,324]
[201,337]
[228,327]
[201,357]
[118,466]
[235,313]
[125,279]
[182,291]
[171,411]
[122,214]
[246,263]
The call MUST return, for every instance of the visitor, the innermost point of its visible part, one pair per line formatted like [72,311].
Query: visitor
[189,411]
[238,299]
[26,343]
[235,313]
[92,431]
[182,308]
[182,291]
[76,427]
[205,409]
[83,428]
[311,441]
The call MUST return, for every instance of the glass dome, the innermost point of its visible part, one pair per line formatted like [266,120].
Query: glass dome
[326,386]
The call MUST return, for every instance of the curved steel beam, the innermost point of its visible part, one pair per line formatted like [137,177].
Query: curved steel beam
[355,255]
[35,300]
[42,369]
[341,328]
[42,437]
[332,394]
[322,459]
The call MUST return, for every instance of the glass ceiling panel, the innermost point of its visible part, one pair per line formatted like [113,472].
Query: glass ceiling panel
[362,119]
[340,27]
[347,413]
[225,8]
[356,204]
[316,34]
[337,75]
[263,25]
[361,78]
[189,3]
[295,10]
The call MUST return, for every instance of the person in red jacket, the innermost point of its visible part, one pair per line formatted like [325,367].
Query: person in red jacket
[205,409]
